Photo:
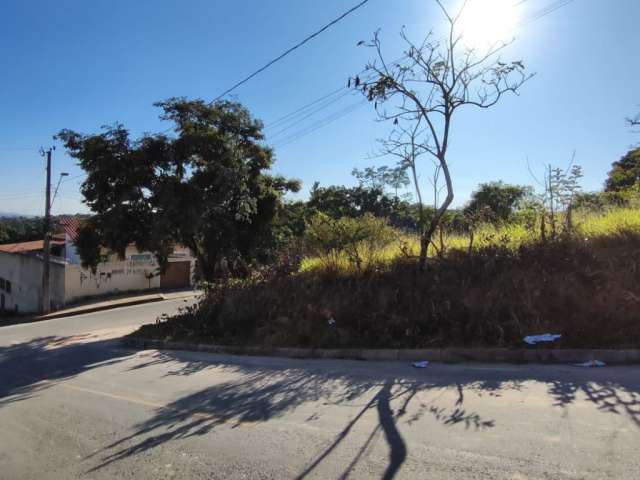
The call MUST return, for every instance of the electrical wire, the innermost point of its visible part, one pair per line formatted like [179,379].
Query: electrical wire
[543,12]
[295,47]
[304,107]
[295,121]
[556,5]
[321,123]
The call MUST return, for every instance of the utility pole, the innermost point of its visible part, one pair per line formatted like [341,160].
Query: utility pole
[46,285]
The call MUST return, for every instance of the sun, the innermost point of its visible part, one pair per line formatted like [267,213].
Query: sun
[483,23]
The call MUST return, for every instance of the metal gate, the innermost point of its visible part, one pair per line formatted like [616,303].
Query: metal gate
[177,275]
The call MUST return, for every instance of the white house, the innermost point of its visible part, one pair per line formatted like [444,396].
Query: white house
[21,266]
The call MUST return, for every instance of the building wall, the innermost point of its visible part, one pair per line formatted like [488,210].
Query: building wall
[110,278]
[70,251]
[71,283]
[25,274]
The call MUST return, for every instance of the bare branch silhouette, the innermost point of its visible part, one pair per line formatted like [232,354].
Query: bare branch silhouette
[434,79]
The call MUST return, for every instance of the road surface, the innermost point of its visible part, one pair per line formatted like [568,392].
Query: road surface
[74,404]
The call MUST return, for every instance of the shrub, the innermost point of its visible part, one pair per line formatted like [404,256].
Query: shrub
[361,241]
[496,202]
[600,201]
[587,290]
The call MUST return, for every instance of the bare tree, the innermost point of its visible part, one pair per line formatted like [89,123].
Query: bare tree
[429,84]
[404,143]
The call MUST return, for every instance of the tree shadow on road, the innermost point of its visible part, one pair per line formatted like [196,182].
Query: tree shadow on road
[260,393]
[264,389]
[258,390]
[30,367]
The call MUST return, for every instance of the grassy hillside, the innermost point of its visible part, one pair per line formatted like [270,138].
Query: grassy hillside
[588,225]
[585,286]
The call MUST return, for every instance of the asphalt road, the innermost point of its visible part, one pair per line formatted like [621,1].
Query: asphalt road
[74,404]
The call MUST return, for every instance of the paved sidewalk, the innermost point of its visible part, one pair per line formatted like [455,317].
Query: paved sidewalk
[106,304]
[120,302]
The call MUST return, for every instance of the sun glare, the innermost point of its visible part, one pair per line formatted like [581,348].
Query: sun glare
[484,23]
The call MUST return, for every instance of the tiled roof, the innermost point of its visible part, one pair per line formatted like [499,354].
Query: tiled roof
[34,246]
[71,225]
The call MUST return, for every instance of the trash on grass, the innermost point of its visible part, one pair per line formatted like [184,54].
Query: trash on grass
[422,364]
[591,363]
[546,337]
[331,322]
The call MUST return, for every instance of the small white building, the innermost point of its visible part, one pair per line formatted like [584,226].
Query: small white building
[21,266]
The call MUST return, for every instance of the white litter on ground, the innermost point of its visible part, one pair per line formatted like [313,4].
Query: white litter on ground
[591,363]
[546,337]
[422,364]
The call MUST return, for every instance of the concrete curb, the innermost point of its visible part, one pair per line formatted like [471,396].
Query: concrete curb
[444,355]
[99,308]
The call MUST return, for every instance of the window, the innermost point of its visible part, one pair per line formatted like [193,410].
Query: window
[141,258]
[7,286]
[1,283]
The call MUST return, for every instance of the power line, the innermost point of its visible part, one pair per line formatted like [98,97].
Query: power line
[303,132]
[292,119]
[304,107]
[295,47]
[543,12]
[321,123]
[16,195]
[295,120]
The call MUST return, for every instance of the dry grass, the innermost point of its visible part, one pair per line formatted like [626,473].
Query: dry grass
[586,289]
[585,286]
[512,237]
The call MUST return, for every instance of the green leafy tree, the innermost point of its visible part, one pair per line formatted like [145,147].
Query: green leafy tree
[22,229]
[339,201]
[378,178]
[204,187]
[5,235]
[496,201]
[625,173]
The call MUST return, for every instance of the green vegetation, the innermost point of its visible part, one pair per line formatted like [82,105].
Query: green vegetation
[496,201]
[367,265]
[561,261]
[359,286]
[625,173]
[585,290]
[361,241]
[207,187]
[510,236]
[20,229]
[25,229]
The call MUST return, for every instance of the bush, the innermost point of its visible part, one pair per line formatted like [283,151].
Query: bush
[361,241]
[600,201]
[496,202]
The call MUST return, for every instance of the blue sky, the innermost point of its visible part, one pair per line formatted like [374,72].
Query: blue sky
[78,64]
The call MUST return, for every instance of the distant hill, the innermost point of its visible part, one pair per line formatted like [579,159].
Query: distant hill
[13,215]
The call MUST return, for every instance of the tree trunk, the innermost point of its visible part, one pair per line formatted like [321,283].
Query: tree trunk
[437,217]
[569,219]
